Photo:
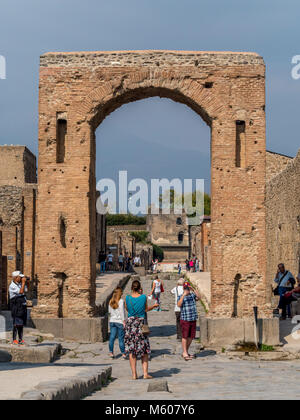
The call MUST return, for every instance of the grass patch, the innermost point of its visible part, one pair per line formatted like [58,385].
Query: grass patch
[251,347]
[264,347]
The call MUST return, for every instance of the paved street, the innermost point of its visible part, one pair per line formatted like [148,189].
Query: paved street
[210,376]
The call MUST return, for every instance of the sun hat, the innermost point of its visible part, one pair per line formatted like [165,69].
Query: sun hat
[17,274]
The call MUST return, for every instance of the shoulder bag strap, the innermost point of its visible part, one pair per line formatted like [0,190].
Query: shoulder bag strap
[282,278]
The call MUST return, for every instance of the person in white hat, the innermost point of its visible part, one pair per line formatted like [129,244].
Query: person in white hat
[18,306]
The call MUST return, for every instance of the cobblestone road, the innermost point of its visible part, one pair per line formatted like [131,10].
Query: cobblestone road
[210,376]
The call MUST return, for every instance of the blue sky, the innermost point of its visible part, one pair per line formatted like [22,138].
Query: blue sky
[154,137]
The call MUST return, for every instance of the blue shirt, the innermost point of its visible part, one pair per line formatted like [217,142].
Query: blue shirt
[286,279]
[189,308]
[136,306]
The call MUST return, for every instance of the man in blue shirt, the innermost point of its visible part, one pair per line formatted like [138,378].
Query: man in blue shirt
[285,282]
[188,318]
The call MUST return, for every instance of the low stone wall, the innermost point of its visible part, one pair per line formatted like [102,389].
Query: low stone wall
[224,332]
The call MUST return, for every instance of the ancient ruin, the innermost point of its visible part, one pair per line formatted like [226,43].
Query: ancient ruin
[77,91]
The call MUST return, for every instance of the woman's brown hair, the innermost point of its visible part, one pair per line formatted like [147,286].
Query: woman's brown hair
[136,286]
[114,301]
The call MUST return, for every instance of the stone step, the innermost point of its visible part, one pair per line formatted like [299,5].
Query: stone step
[39,353]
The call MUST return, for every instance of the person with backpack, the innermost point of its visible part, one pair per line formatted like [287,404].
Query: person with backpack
[157,289]
[117,314]
[18,306]
[285,283]
[178,291]
[136,331]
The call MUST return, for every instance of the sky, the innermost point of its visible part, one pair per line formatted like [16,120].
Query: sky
[154,137]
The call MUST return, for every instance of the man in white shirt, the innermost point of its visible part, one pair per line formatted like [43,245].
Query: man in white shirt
[121,262]
[17,290]
[110,259]
[178,291]
[137,261]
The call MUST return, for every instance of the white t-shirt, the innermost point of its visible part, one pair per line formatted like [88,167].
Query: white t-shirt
[177,291]
[117,315]
[121,258]
[110,257]
[14,289]
[157,286]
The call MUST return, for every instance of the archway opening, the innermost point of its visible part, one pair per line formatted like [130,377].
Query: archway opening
[155,135]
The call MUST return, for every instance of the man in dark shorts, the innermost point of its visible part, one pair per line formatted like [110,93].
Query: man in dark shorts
[188,318]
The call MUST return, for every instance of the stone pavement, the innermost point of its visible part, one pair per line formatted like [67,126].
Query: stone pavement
[210,376]
[17,378]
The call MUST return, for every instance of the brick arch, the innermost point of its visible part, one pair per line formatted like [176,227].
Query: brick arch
[107,97]
[226,89]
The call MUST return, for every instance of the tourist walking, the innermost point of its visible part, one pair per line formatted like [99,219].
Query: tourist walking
[285,283]
[188,318]
[110,261]
[196,265]
[179,268]
[178,292]
[102,261]
[18,306]
[136,332]
[191,264]
[116,310]
[187,265]
[157,289]
[121,262]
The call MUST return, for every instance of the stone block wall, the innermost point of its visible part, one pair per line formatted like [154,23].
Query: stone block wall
[17,166]
[283,220]
[275,163]
[17,213]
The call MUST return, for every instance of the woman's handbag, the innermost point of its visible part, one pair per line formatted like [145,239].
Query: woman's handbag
[145,329]
[162,288]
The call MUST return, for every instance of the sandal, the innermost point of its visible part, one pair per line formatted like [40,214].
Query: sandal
[186,358]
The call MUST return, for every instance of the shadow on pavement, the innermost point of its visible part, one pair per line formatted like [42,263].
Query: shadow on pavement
[162,331]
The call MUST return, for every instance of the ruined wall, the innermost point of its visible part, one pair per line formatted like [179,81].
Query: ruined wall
[283,220]
[170,232]
[78,90]
[17,213]
[275,163]
[17,166]
[119,235]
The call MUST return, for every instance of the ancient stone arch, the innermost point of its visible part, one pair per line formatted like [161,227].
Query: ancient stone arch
[77,91]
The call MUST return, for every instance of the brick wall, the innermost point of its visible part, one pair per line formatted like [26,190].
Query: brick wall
[283,220]
[78,90]
[17,166]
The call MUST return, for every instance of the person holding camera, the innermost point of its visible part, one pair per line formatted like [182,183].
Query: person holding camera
[285,283]
[18,306]
[188,318]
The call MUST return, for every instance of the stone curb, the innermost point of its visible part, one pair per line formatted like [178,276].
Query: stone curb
[72,388]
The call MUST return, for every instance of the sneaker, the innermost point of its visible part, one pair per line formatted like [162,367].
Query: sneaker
[22,343]
[15,343]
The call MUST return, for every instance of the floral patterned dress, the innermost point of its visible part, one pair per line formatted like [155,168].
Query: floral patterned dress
[136,343]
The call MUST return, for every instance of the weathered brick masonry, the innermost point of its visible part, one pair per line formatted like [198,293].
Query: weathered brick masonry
[77,91]
[283,219]
[17,214]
